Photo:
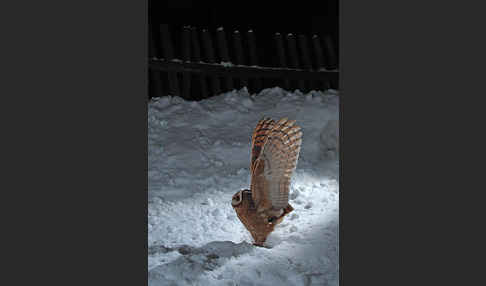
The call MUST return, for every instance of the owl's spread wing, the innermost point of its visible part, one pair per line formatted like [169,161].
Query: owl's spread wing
[258,138]
[270,180]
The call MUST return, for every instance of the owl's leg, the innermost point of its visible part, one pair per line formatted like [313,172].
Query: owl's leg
[286,211]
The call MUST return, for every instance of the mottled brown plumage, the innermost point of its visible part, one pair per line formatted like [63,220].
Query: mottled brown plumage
[274,153]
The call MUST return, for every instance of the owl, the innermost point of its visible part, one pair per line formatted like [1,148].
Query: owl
[275,148]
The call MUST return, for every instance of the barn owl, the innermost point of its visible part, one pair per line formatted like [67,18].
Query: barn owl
[275,148]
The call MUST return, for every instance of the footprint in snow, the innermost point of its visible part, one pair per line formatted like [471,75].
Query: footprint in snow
[294,194]
[216,213]
[295,238]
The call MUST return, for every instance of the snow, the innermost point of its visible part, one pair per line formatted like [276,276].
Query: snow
[329,140]
[199,156]
[326,70]
[226,64]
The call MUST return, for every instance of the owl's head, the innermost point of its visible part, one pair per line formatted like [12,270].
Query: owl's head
[238,198]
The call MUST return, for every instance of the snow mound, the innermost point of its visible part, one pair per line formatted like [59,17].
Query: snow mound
[329,140]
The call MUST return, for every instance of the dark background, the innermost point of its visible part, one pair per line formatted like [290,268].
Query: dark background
[240,15]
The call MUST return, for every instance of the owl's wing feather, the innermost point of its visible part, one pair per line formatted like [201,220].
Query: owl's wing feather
[275,164]
[258,138]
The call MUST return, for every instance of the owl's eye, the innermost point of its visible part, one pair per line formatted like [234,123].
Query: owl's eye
[236,200]
[272,219]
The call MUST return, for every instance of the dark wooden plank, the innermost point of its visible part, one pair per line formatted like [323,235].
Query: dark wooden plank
[294,60]
[316,43]
[304,49]
[306,62]
[169,55]
[186,56]
[240,58]
[331,53]
[242,71]
[257,84]
[153,74]
[252,48]
[281,58]
[292,48]
[223,51]
[332,59]
[209,52]
[320,60]
[156,83]
[196,53]
[152,48]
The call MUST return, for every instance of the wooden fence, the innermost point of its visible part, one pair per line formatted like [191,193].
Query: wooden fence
[193,76]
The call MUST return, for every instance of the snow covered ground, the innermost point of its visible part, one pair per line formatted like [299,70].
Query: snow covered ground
[199,156]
